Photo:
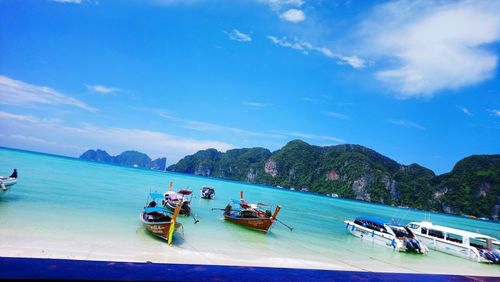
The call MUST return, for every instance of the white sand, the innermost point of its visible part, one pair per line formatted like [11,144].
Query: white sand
[38,246]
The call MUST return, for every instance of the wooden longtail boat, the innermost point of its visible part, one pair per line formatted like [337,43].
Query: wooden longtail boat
[178,199]
[159,221]
[250,215]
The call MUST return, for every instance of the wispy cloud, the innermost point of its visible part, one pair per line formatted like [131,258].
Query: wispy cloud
[293,15]
[68,1]
[309,136]
[15,92]
[306,47]
[239,36]
[495,112]
[176,2]
[270,134]
[255,105]
[278,4]
[77,2]
[406,123]
[336,115]
[435,45]
[101,89]
[85,136]
[203,126]
[464,110]
[16,117]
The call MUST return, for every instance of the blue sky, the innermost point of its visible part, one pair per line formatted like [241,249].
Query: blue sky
[414,80]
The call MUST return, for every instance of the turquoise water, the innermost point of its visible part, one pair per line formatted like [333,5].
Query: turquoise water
[69,208]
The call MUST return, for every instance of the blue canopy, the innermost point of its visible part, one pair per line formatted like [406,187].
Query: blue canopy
[155,209]
[236,201]
[156,195]
[371,219]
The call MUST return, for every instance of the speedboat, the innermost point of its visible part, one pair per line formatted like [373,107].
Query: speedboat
[207,192]
[158,220]
[457,242]
[397,237]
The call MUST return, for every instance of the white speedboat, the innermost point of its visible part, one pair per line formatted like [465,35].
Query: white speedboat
[457,242]
[397,237]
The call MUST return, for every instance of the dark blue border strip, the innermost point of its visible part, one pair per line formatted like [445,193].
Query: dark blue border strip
[62,269]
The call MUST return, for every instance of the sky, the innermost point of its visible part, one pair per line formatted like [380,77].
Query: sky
[417,81]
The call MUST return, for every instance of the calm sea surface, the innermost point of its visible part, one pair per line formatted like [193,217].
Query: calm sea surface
[74,204]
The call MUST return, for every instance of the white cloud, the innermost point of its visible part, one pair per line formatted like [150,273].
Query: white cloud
[465,110]
[73,140]
[436,45]
[15,92]
[407,124]
[278,4]
[495,112]
[255,105]
[101,89]
[336,115]
[293,15]
[239,36]
[306,47]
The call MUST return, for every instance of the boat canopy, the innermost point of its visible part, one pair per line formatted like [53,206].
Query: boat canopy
[460,232]
[156,195]
[171,194]
[185,192]
[155,209]
[371,219]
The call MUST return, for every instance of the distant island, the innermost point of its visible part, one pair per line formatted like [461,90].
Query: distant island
[127,158]
[357,172]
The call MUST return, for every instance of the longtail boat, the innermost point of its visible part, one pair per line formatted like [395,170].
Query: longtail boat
[178,199]
[160,221]
[173,199]
[207,192]
[250,215]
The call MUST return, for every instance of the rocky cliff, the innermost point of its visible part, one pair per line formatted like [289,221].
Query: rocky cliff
[127,158]
[354,171]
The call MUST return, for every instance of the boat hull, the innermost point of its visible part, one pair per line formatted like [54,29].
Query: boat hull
[5,184]
[159,229]
[260,224]
[450,248]
[379,238]
[185,209]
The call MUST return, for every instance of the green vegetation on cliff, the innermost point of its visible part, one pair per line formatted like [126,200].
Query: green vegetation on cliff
[354,171]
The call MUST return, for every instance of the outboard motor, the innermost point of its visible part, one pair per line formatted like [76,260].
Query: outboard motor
[408,244]
[493,256]
[412,245]
[416,244]
[496,254]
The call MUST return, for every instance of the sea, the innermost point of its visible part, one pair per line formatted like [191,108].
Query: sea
[88,210]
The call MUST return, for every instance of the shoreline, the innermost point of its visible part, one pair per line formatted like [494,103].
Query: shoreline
[44,269]
[176,255]
[244,183]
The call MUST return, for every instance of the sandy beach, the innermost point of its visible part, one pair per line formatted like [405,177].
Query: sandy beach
[72,216]
[65,248]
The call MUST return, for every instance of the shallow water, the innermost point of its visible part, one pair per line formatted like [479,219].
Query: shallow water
[88,210]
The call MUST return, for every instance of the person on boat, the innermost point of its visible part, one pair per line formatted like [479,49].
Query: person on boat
[227,209]
[14,174]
